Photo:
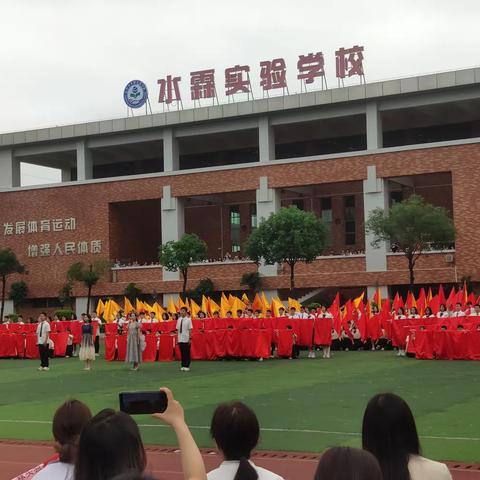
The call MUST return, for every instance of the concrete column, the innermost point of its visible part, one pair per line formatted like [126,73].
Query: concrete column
[374,126]
[66,174]
[81,306]
[266,140]
[268,202]
[9,170]
[84,162]
[270,294]
[8,308]
[173,224]
[171,152]
[372,290]
[375,195]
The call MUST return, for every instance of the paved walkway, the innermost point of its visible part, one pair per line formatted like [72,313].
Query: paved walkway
[164,462]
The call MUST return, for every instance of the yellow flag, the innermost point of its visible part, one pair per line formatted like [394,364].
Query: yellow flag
[213,306]
[224,306]
[128,307]
[245,299]
[276,305]
[138,305]
[100,307]
[358,300]
[293,303]
[266,304]
[205,305]
[159,311]
[195,308]
[171,308]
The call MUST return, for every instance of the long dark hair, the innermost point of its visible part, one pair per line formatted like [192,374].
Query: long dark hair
[346,463]
[67,425]
[236,431]
[110,444]
[389,432]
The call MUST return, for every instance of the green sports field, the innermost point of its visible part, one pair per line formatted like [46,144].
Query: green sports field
[302,404]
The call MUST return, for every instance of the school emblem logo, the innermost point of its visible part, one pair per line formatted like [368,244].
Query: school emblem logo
[135,94]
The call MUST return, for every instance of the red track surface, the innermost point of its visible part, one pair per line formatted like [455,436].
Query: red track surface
[164,462]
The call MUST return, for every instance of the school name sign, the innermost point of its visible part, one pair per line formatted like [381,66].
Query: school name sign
[204,84]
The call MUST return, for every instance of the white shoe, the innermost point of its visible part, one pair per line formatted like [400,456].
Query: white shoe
[186,369]
[46,368]
[40,368]
[260,359]
[182,369]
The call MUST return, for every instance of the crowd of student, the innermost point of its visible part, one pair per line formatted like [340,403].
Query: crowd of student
[108,446]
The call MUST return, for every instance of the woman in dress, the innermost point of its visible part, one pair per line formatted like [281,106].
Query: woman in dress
[87,347]
[134,353]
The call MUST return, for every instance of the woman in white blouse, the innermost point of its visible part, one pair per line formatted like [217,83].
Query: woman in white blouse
[389,432]
[236,431]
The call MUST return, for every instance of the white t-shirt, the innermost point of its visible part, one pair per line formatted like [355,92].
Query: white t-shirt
[228,469]
[55,471]
[421,468]
[43,329]
[184,327]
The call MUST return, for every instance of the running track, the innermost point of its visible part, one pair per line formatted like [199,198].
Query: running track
[164,462]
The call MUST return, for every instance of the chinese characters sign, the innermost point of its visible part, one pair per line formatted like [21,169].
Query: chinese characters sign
[26,227]
[273,75]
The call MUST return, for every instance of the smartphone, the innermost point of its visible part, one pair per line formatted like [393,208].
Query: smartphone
[138,403]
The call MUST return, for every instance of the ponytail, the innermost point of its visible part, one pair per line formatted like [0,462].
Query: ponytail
[245,471]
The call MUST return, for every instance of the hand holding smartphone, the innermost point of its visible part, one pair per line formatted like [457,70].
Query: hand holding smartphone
[143,403]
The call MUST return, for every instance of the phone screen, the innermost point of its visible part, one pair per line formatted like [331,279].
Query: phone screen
[137,403]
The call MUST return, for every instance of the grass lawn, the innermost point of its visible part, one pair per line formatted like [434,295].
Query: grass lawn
[303,405]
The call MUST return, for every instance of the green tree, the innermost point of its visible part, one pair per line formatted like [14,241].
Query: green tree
[18,293]
[65,294]
[252,280]
[89,275]
[288,236]
[204,287]
[132,291]
[180,254]
[413,226]
[9,265]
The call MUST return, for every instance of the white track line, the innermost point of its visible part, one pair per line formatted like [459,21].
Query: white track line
[284,430]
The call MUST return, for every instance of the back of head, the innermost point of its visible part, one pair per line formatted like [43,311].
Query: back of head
[67,425]
[236,431]
[389,432]
[110,445]
[345,463]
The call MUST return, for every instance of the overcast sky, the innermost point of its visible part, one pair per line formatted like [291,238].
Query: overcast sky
[67,61]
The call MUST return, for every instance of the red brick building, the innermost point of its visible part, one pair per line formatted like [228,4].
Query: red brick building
[130,184]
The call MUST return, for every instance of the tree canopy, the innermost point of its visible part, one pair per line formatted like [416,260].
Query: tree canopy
[412,227]
[178,255]
[18,293]
[89,275]
[288,236]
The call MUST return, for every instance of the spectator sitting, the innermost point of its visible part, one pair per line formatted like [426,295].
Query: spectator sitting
[236,431]
[68,422]
[389,432]
[111,445]
[346,463]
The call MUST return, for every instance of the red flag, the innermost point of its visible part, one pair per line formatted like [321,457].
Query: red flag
[410,301]
[421,301]
[337,322]
[397,302]
[434,304]
[348,315]
[452,298]
[335,306]
[429,295]
[471,298]
[441,296]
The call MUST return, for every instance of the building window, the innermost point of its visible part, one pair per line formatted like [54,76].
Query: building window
[299,203]
[349,215]
[327,217]
[235,228]
[396,197]
[253,216]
